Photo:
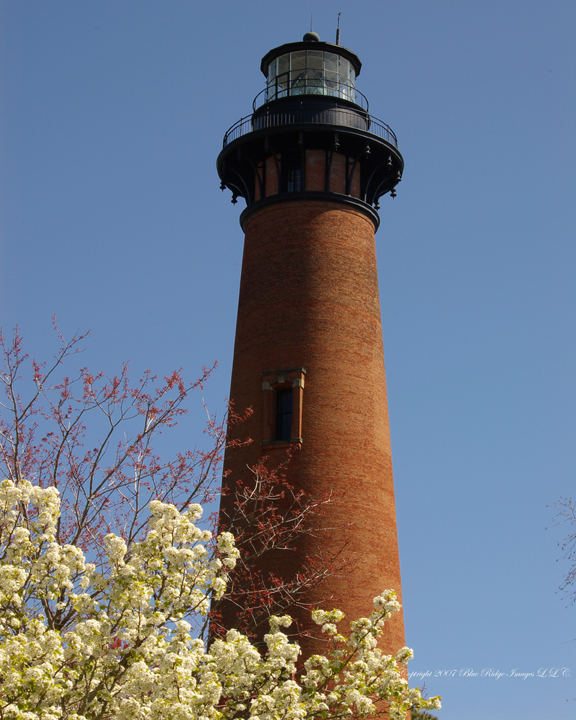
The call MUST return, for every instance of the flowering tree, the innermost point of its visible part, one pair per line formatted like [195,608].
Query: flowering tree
[85,641]
[106,579]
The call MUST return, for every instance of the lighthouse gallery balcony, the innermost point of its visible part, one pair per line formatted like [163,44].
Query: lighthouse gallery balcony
[310,106]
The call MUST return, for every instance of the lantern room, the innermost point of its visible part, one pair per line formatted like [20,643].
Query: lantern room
[310,67]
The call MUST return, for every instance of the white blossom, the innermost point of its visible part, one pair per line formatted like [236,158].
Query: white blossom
[79,642]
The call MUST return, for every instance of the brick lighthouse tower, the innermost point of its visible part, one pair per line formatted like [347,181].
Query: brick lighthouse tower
[311,163]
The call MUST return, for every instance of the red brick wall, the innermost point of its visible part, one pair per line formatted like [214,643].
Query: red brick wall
[309,298]
[315,170]
[267,174]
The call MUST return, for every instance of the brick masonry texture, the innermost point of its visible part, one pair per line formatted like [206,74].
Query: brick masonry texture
[309,298]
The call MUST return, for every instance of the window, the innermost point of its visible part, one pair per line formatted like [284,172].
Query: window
[282,394]
[292,176]
[283,414]
[310,72]
[294,180]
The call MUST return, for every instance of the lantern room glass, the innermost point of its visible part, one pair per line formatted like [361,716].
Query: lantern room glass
[310,72]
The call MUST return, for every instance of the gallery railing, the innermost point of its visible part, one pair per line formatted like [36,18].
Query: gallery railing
[334,116]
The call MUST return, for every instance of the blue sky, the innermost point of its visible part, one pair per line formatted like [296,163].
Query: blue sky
[111,120]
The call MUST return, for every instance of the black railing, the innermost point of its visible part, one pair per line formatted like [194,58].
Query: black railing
[336,116]
[284,87]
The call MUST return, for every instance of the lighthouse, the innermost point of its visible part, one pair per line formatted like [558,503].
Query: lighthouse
[311,163]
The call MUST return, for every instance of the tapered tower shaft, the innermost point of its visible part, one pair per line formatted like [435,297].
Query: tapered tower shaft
[308,356]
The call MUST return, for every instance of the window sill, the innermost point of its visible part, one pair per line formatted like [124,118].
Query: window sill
[282,443]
